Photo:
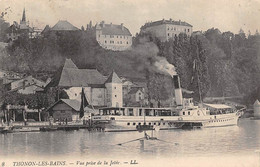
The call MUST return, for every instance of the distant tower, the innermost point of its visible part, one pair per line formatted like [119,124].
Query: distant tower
[114,91]
[23,21]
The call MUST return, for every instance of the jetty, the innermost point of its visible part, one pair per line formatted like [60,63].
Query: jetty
[44,126]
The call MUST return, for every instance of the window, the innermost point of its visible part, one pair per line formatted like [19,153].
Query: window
[174,29]
[188,30]
[168,28]
[144,123]
[163,123]
[128,123]
[111,36]
[126,42]
[116,36]
[150,123]
[159,123]
[120,42]
[183,113]
[120,36]
[105,41]
[189,113]
[139,123]
[134,123]
[115,95]
[115,87]
[140,111]
[168,34]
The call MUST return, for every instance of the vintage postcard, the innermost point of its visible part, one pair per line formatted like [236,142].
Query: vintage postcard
[139,83]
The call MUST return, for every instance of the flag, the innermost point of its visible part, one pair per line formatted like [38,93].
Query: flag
[83,104]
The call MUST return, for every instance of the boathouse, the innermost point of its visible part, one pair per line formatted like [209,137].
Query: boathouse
[67,110]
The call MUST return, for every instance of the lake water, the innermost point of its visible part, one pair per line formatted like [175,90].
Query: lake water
[241,141]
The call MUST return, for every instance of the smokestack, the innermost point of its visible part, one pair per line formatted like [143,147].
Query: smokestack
[177,90]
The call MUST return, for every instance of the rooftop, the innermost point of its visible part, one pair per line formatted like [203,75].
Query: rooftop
[69,64]
[113,29]
[218,106]
[160,22]
[64,25]
[71,76]
[134,90]
[74,104]
[113,78]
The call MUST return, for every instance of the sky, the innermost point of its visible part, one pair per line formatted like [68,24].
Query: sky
[226,15]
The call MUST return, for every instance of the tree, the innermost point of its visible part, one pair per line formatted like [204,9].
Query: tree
[82,28]
[3,27]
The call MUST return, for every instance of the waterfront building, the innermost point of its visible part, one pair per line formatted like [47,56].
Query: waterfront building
[67,109]
[167,29]
[26,85]
[135,97]
[100,90]
[113,37]
[134,93]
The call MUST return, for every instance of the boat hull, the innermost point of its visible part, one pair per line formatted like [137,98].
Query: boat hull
[130,123]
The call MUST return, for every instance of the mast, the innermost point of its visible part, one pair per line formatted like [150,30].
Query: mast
[197,71]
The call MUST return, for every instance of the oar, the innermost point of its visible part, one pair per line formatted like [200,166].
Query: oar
[130,141]
[166,141]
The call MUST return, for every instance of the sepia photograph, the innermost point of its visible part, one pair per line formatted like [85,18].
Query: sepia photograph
[139,83]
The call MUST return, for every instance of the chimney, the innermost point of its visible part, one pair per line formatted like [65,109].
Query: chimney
[122,26]
[102,23]
[111,25]
[177,90]
[180,22]
[170,19]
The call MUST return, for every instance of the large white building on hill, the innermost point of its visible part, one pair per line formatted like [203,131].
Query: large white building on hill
[113,37]
[167,29]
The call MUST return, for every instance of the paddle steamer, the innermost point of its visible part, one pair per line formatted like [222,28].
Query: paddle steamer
[184,115]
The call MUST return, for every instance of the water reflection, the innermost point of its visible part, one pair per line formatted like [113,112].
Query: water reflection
[241,139]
